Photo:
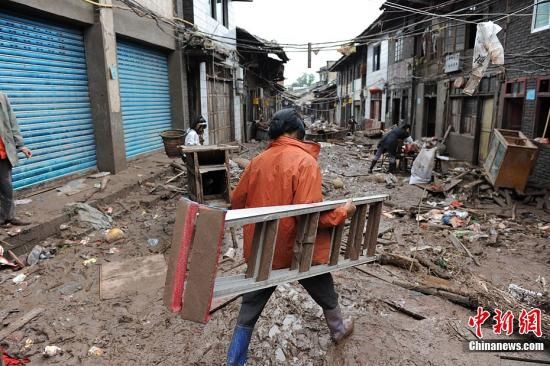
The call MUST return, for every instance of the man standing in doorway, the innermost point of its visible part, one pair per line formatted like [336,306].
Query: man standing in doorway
[11,142]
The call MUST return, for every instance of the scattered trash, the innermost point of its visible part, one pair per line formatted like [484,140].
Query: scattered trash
[423,165]
[390,180]
[113,251]
[19,278]
[25,201]
[90,215]
[73,187]
[114,234]
[63,227]
[14,232]
[280,355]
[38,253]
[5,262]
[338,183]
[95,351]
[99,175]
[28,343]
[524,295]
[50,351]
[230,253]
[70,288]
[89,262]
[152,243]
[9,360]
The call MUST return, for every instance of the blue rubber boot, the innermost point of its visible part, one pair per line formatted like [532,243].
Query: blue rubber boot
[238,349]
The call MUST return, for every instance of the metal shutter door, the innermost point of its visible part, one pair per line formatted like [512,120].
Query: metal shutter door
[145,96]
[43,72]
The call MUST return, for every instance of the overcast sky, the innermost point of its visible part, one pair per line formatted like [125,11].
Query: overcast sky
[302,21]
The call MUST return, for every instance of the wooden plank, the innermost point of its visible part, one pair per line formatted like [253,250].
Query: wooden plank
[337,233]
[182,238]
[256,250]
[19,323]
[203,261]
[351,234]
[238,284]
[358,240]
[458,244]
[371,236]
[139,275]
[236,218]
[297,248]
[198,178]
[308,245]
[201,148]
[268,249]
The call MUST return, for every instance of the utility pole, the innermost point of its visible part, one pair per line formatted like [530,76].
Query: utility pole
[309,55]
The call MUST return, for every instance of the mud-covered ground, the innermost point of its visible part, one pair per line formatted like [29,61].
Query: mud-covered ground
[138,330]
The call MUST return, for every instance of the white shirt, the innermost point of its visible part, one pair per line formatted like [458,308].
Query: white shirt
[192,137]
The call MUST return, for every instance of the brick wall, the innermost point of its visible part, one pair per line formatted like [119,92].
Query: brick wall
[541,173]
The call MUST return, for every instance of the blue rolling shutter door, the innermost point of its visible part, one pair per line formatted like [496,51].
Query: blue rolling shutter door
[145,96]
[43,72]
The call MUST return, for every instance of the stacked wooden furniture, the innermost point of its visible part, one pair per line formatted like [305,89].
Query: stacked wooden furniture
[208,173]
[191,281]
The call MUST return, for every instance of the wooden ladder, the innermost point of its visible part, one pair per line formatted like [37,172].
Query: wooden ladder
[191,281]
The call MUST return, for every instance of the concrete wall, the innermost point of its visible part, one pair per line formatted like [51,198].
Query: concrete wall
[440,113]
[419,111]
[127,23]
[461,147]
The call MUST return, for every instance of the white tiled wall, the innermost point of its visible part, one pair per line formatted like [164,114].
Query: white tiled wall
[206,23]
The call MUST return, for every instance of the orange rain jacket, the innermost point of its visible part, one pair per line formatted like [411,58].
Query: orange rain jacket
[286,173]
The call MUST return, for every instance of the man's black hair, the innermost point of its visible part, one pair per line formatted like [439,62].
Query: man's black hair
[286,121]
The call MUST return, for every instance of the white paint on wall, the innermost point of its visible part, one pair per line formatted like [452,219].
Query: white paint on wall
[204,99]
[377,78]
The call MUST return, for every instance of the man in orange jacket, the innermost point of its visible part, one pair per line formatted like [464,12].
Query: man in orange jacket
[286,173]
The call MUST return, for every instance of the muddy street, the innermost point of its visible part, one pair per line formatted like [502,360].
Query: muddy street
[139,330]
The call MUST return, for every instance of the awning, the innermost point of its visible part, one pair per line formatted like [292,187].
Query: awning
[375,89]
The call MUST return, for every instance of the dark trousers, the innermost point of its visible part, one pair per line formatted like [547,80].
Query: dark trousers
[7,203]
[381,150]
[320,288]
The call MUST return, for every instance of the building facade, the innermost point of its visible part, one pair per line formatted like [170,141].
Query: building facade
[93,84]
[429,60]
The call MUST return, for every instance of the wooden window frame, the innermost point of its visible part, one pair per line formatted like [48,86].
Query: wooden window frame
[376,57]
[540,29]
[539,81]
[518,95]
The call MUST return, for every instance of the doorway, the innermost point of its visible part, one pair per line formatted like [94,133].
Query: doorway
[513,113]
[395,111]
[543,110]
[430,104]
[486,127]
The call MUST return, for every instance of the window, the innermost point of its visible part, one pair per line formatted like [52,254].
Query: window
[219,10]
[455,37]
[376,58]
[541,16]
[464,115]
[515,88]
[398,49]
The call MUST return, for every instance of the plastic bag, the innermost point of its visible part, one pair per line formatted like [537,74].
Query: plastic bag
[487,49]
[423,166]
